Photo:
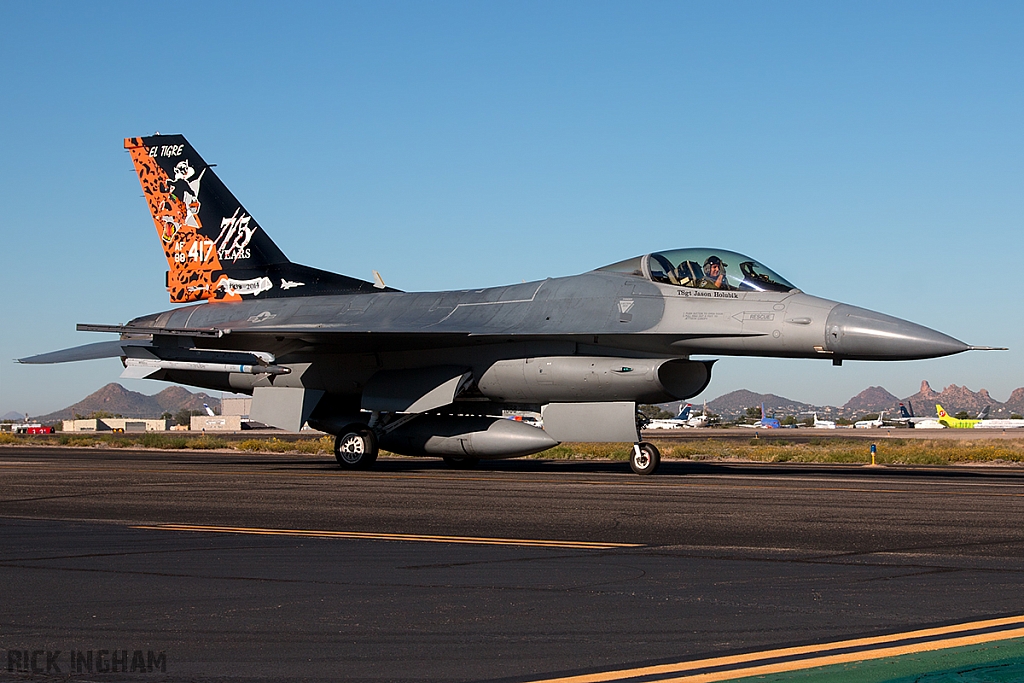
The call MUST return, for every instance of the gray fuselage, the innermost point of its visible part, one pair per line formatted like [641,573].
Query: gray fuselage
[335,343]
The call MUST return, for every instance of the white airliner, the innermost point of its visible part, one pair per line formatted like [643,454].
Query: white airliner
[823,424]
[870,424]
[984,422]
[682,420]
[907,417]
[1000,423]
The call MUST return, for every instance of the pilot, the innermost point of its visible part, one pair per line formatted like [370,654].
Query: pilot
[714,273]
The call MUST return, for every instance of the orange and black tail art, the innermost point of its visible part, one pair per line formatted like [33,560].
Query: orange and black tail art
[214,248]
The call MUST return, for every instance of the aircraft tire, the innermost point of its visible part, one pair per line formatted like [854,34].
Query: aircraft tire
[356,449]
[645,461]
[461,463]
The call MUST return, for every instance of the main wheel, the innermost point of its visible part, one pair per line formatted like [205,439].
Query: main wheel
[645,458]
[461,463]
[356,450]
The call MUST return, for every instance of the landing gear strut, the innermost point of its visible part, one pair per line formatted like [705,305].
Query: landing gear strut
[645,458]
[356,449]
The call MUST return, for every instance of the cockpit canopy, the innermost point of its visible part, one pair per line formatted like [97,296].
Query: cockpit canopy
[704,269]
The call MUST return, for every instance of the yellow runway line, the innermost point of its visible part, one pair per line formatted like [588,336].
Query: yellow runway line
[868,653]
[362,535]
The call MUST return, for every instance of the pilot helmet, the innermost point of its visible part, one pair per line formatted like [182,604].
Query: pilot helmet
[713,260]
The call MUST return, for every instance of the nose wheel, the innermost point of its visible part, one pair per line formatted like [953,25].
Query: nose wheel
[356,450]
[645,458]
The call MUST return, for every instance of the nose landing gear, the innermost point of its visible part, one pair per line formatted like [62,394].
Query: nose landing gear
[645,458]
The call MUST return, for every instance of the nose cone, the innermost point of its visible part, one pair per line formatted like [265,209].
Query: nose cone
[859,334]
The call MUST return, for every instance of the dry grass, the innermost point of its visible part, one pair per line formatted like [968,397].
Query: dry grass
[824,450]
[587,451]
[324,444]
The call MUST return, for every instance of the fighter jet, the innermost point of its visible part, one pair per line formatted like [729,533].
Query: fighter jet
[430,373]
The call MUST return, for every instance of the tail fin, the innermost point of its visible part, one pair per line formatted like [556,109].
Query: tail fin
[983,415]
[214,248]
[684,413]
[904,413]
[940,411]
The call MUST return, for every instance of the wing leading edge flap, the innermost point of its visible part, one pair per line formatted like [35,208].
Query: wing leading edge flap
[415,390]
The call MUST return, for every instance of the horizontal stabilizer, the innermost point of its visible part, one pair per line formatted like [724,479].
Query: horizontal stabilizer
[107,349]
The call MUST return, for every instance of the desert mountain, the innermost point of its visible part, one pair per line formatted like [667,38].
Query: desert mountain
[1015,404]
[115,399]
[875,399]
[954,399]
[736,402]
[872,400]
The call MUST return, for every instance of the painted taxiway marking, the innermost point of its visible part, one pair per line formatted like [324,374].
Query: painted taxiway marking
[360,535]
[813,656]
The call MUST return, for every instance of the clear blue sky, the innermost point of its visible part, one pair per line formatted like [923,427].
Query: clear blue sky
[869,152]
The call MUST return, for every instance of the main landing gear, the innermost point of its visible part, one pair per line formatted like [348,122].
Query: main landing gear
[645,458]
[356,449]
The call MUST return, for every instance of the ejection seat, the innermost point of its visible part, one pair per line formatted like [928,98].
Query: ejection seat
[688,274]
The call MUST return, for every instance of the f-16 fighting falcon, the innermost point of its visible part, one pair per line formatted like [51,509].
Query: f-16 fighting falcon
[430,373]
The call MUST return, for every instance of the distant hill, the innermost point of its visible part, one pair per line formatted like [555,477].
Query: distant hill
[115,399]
[872,400]
[1015,404]
[736,403]
[13,416]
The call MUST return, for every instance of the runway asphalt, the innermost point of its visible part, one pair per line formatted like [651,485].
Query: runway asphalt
[267,567]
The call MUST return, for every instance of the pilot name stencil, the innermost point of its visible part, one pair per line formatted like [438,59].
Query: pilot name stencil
[708,294]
